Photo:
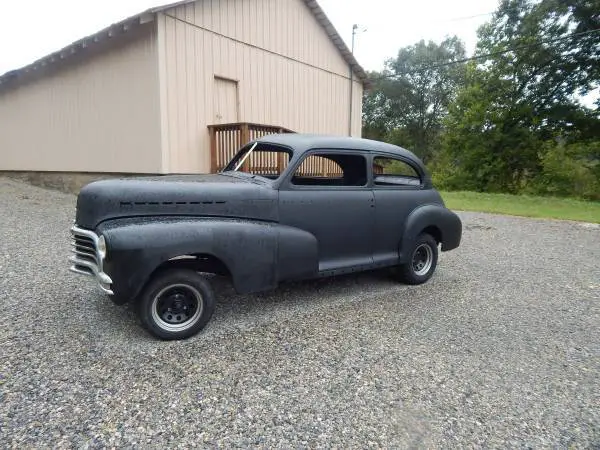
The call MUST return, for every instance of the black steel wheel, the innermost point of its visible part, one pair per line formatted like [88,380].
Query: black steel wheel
[422,261]
[176,304]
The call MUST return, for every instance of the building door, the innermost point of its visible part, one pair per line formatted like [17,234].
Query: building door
[225,101]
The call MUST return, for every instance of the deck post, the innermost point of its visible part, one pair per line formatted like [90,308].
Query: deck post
[245,137]
[245,132]
[213,149]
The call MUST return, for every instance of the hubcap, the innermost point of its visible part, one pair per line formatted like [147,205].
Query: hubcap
[177,307]
[422,259]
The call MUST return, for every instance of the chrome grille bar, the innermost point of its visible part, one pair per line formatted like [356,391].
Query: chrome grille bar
[87,260]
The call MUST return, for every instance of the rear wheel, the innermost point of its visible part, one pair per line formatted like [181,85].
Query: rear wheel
[422,261]
[176,304]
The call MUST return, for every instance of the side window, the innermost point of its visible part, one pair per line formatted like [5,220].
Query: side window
[333,169]
[394,172]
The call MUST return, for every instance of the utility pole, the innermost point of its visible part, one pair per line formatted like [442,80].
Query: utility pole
[354,27]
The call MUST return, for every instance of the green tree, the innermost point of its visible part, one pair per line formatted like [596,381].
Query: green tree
[485,147]
[536,58]
[554,56]
[411,96]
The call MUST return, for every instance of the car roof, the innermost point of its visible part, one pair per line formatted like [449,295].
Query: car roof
[303,142]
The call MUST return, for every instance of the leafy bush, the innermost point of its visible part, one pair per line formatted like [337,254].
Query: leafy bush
[569,170]
[446,174]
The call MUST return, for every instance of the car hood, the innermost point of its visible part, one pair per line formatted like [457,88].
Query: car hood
[212,195]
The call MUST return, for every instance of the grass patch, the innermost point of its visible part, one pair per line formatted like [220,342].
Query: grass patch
[524,205]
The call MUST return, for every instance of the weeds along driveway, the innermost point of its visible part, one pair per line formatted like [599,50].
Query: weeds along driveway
[500,348]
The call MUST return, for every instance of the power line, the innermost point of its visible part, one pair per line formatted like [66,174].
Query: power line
[373,30]
[487,55]
[456,19]
[508,9]
[511,9]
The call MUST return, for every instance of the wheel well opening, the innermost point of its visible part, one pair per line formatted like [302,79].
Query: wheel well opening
[199,262]
[435,232]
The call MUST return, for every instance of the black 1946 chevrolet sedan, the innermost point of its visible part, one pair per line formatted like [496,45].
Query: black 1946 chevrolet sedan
[286,207]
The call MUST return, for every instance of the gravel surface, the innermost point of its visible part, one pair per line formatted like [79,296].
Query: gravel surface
[500,349]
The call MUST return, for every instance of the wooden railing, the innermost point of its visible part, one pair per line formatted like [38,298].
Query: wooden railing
[317,166]
[226,139]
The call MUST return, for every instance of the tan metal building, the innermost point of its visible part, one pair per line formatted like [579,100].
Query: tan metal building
[140,95]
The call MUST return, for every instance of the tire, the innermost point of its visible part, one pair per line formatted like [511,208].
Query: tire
[423,257]
[176,304]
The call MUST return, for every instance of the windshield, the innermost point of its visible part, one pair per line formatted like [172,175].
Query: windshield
[260,159]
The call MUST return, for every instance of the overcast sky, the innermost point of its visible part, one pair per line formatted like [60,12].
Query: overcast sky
[30,29]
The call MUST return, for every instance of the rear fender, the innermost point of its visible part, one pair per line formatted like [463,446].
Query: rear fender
[447,223]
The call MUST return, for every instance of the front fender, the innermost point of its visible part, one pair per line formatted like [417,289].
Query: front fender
[136,248]
[445,221]
[257,254]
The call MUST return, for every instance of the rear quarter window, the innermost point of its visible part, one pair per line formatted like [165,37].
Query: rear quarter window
[394,172]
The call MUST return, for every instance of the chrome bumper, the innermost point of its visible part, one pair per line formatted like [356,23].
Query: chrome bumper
[87,260]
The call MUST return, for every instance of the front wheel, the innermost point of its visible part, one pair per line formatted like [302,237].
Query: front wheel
[423,257]
[176,304]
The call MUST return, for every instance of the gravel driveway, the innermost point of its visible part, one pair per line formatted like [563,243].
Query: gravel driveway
[500,349]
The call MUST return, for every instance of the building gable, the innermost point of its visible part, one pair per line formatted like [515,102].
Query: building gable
[271,17]
[296,29]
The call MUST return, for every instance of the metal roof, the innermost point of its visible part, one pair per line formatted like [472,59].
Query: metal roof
[119,29]
[303,142]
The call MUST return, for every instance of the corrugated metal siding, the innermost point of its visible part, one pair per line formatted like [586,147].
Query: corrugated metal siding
[307,89]
[98,115]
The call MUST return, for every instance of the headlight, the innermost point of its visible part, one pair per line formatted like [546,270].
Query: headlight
[102,247]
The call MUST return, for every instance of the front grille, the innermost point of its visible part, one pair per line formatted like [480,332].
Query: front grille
[84,247]
[86,260]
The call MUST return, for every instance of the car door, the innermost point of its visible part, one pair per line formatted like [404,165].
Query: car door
[327,194]
[397,186]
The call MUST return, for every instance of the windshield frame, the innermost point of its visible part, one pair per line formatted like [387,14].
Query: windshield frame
[238,160]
